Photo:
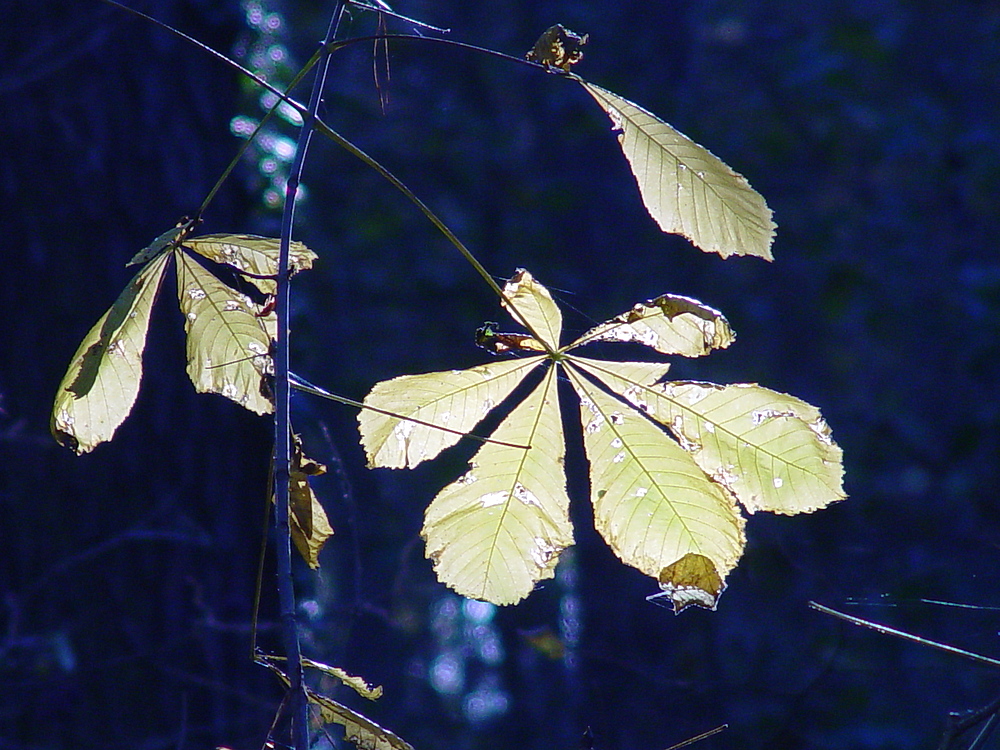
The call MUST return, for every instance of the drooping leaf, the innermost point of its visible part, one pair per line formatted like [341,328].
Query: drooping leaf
[102,382]
[457,399]
[228,345]
[498,530]
[357,684]
[532,306]
[310,527]
[687,189]
[652,503]
[251,254]
[362,731]
[691,580]
[358,729]
[670,324]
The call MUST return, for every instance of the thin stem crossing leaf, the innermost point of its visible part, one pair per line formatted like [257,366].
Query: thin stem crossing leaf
[457,399]
[498,529]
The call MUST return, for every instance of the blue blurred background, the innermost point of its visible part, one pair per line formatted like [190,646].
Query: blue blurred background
[127,576]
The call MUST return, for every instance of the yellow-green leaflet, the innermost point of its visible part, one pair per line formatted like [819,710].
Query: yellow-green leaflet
[227,344]
[652,503]
[670,324]
[456,399]
[102,382]
[251,254]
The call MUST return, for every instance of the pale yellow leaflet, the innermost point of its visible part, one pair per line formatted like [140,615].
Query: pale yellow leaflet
[772,451]
[687,189]
[652,503]
[498,529]
[251,254]
[532,306]
[227,344]
[670,324]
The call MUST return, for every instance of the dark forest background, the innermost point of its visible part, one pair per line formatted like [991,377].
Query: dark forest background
[872,127]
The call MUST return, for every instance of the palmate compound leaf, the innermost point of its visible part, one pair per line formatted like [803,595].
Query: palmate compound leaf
[102,382]
[652,503]
[659,502]
[498,530]
[227,343]
[687,189]
[771,451]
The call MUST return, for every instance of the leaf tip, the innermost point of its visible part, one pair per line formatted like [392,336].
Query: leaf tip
[692,580]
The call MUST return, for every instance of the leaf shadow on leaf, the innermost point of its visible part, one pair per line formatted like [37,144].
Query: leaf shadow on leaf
[229,276]
[118,315]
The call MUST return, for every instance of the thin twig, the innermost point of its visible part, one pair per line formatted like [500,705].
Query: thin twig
[959,723]
[985,732]
[702,736]
[282,422]
[301,384]
[330,133]
[906,636]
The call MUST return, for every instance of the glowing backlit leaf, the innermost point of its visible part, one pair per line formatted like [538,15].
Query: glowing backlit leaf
[773,451]
[457,399]
[664,495]
[227,344]
[533,307]
[671,324]
[102,382]
[498,530]
[686,189]
[652,503]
